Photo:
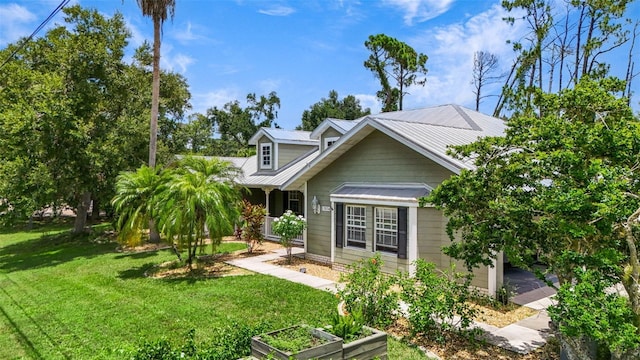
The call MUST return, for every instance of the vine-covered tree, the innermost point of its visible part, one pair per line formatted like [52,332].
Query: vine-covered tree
[397,66]
[348,108]
[562,184]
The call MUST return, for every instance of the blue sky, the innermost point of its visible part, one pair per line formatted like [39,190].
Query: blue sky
[302,49]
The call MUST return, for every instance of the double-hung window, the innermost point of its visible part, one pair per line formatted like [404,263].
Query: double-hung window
[266,156]
[294,201]
[386,229]
[356,226]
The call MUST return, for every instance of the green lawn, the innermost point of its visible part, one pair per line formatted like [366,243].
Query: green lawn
[69,298]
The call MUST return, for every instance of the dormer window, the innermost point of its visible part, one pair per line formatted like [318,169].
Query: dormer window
[266,156]
[330,141]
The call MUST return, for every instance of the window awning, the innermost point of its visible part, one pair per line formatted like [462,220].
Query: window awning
[383,192]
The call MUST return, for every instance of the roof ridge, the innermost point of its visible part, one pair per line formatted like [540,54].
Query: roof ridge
[466,117]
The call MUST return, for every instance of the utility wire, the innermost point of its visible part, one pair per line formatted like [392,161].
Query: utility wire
[62,4]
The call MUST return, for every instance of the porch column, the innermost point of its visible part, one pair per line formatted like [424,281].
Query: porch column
[267,224]
[267,191]
[412,239]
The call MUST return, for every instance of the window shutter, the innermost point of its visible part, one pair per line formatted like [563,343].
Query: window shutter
[339,224]
[285,198]
[402,233]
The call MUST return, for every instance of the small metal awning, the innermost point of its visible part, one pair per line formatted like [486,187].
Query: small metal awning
[383,192]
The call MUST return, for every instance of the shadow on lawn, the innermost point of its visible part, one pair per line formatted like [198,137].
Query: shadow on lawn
[137,255]
[50,250]
[136,272]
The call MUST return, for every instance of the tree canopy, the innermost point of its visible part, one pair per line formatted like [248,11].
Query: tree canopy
[236,125]
[73,116]
[562,184]
[393,60]
[565,43]
[348,108]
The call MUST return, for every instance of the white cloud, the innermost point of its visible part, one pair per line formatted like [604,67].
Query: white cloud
[450,49]
[174,62]
[268,85]
[16,23]
[136,38]
[420,10]
[187,34]
[203,101]
[369,101]
[278,10]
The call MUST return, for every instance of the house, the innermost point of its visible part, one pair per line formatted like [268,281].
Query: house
[359,182]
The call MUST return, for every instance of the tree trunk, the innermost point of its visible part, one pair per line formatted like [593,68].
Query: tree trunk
[155,94]
[81,213]
[95,211]
[631,280]
[154,235]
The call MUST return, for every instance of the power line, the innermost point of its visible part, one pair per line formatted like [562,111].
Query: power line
[62,4]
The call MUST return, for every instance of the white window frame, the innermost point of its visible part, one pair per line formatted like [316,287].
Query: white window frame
[328,141]
[262,158]
[294,196]
[355,223]
[385,229]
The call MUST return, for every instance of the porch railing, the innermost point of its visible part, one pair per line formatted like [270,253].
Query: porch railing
[268,233]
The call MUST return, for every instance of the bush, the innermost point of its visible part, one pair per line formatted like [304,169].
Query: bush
[437,301]
[229,343]
[370,291]
[252,221]
[288,226]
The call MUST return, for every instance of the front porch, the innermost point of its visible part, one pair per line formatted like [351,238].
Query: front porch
[269,235]
[277,202]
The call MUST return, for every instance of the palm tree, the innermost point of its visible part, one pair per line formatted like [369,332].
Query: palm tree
[157,10]
[201,196]
[135,201]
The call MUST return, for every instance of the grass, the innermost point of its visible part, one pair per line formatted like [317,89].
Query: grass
[63,296]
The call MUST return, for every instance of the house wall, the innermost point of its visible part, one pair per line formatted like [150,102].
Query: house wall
[376,159]
[289,152]
[432,236]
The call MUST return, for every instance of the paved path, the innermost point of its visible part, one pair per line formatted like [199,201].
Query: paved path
[522,337]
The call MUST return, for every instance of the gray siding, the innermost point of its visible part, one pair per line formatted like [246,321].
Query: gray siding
[375,159]
[289,152]
[432,237]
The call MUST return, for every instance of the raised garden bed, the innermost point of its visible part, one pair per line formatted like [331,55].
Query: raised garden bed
[373,346]
[316,344]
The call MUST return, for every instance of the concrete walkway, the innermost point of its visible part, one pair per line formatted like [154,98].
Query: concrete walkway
[521,337]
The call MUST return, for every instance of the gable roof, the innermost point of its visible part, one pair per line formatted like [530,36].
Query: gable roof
[342,126]
[428,131]
[282,136]
[250,175]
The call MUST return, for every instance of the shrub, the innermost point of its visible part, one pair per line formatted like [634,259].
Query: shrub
[437,301]
[288,226]
[228,343]
[252,221]
[347,326]
[370,291]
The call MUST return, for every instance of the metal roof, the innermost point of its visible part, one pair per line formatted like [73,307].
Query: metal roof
[342,126]
[402,192]
[284,136]
[428,131]
[251,177]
